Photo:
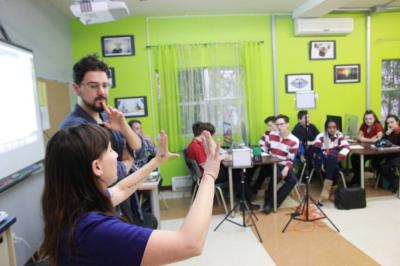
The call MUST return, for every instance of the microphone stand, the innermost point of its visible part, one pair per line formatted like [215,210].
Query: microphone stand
[303,207]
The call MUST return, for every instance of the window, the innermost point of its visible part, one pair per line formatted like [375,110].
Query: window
[390,87]
[214,95]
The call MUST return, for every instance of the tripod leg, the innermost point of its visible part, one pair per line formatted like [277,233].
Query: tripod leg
[227,215]
[255,227]
[326,216]
[296,212]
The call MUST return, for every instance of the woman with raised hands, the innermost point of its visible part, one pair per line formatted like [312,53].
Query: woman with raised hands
[81,226]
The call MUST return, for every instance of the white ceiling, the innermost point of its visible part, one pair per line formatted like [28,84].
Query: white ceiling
[222,7]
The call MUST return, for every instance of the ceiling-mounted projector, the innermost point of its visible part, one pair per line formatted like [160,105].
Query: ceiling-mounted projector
[98,11]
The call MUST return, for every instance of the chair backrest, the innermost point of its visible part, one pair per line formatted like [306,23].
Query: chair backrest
[193,167]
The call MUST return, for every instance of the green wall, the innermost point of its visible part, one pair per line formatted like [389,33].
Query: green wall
[133,77]
[336,99]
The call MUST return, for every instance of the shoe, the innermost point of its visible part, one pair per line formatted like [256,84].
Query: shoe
[267,209]
[320,204]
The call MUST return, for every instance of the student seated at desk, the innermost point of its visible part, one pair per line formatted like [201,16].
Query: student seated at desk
[282,145]
[147,150]
[370,131]
[195,151]
[387,163]
[81,226]
[333,149]
[258,180]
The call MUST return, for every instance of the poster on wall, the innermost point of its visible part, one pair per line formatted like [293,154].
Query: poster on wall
[322,50]
[118,45]
[132,106]
[299,82]
[347,73]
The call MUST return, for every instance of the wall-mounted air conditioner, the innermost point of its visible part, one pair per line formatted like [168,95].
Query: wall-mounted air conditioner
[323,26]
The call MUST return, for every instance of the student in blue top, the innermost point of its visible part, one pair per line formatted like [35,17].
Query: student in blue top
[80,225]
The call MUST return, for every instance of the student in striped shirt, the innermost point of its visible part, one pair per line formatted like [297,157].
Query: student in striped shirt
[282,145]
[333,149]
[264,169]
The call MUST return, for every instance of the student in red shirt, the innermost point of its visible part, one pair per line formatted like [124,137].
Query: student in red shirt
[370,131]
[195,151]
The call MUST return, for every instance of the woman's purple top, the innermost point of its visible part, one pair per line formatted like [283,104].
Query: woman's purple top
[100,239]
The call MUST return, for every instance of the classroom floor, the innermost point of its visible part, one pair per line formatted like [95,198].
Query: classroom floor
[369,236]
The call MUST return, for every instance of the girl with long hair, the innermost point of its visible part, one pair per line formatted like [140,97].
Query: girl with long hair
[370,131]
[81,226]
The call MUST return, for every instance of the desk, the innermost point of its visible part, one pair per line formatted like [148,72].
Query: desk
[7,251]
[265,160]
[152,186]
[368,150]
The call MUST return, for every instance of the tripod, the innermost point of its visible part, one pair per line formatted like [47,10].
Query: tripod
[244,207]
[304,204]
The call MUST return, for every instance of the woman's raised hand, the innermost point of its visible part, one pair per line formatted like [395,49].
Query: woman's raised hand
[212,149]
[163,153]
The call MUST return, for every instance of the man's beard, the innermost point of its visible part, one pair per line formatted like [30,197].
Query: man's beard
[92,106]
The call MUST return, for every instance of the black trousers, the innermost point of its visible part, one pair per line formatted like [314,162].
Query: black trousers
[355,165]
[289,182]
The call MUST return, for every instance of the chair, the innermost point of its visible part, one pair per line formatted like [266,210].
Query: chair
[195,173]
[323,170]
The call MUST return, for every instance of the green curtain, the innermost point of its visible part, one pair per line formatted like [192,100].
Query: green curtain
[167,65]
[254,70]
[169,111]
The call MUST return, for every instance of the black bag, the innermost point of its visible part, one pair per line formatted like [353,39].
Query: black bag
[350,198]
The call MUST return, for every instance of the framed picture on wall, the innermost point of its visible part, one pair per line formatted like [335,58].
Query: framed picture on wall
[111,79]
[322,50]
[299,82]
[347,73]
[118,45]
[132,106]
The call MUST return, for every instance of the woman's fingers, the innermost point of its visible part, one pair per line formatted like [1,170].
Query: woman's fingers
[217,149]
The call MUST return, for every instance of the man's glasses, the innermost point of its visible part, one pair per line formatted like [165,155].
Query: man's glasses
[96,86]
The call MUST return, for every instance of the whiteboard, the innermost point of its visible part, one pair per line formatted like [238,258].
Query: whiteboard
[21,137]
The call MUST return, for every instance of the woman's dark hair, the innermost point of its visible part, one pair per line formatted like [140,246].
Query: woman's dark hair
[370,112]
[70,187]
[395,117]
[327,124]
[86,64]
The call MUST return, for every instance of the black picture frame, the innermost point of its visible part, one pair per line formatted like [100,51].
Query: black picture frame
[299,82]
[132,106]
[349,73]
[322,50]
[111,80]
[118,45]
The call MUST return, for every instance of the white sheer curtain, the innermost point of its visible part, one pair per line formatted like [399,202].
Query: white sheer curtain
[211,88]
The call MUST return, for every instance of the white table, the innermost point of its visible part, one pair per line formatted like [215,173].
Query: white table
[267,160]
[152,186]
